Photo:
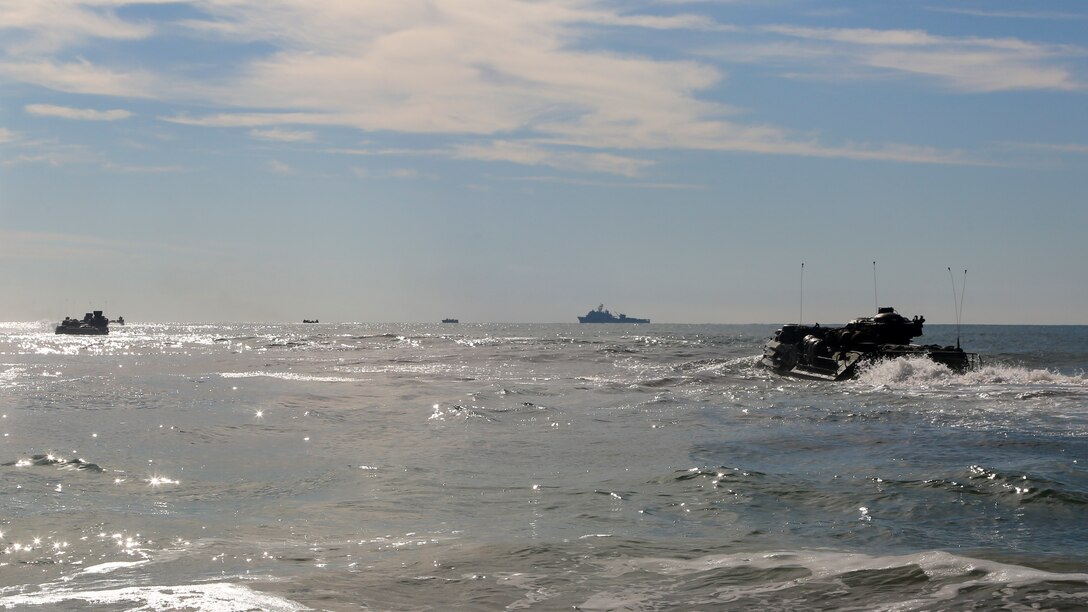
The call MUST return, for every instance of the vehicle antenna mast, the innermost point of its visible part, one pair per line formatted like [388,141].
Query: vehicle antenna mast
[957,303]
[959,315]
[801,315]
[876,302]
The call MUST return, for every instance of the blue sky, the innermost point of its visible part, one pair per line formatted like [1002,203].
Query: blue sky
[513,160]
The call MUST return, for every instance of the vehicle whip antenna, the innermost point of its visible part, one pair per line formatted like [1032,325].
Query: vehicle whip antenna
[876,302]
[957,302]
[959,315]
[801,315]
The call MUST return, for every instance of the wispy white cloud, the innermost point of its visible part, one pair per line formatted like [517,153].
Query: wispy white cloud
[137,169]
[969,64]
[397,173]
[598,183]
[979,71]
[522,153]
[50,246]
[470,67]
[1076,148]
[282,135]
[6,135]
[40,246]
[534,155]
[84,77]
[86,114]
[436,152]
[859,36]
[526,74]
[47,26]
[1046,15]
[670,22]
[253,119]
[50,153]
[279,167]
[58,155]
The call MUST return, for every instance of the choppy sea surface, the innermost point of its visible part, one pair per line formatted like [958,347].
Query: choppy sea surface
[591,467]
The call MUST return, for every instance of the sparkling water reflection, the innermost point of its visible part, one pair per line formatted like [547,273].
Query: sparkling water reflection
[328,466]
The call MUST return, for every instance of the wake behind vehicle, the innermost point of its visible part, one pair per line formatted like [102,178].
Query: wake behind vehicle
[814,352]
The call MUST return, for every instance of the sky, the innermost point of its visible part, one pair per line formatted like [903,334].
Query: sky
[527,160]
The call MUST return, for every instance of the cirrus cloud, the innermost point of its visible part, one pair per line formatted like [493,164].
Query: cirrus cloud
[84,77]
[282,135]
[966,64]
[534,155]
[530,76]
[86,114]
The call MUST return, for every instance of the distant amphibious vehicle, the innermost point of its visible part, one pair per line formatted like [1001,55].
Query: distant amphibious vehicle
[603,316]
[92,324]
[825,353]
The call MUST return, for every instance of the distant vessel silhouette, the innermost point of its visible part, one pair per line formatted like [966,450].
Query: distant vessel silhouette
[450,321]
[92,324]
[603,316]
[814,352]
[310,321]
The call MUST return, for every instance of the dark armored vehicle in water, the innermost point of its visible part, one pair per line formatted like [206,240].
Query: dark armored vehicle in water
[826,353]
[603,316]
[92,324]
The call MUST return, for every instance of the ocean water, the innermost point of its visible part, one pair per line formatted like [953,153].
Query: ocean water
[509,467]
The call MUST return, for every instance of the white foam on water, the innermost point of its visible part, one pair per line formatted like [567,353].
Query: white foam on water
[1051,392]
[105,568]
[9,376]
[992,396]
[905,371]
[920,371]
[288,376]
[221,597]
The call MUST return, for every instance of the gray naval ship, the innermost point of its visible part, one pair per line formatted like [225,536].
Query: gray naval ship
[603,316]
[822,353]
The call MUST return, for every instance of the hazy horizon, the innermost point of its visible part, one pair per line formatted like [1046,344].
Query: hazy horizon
[573,321]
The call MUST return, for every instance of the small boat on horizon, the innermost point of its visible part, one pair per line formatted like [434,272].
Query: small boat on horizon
[603,316]
[450,321]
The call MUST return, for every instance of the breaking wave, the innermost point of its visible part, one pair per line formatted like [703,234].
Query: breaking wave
[222,597]
[828,580]
[915,371]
